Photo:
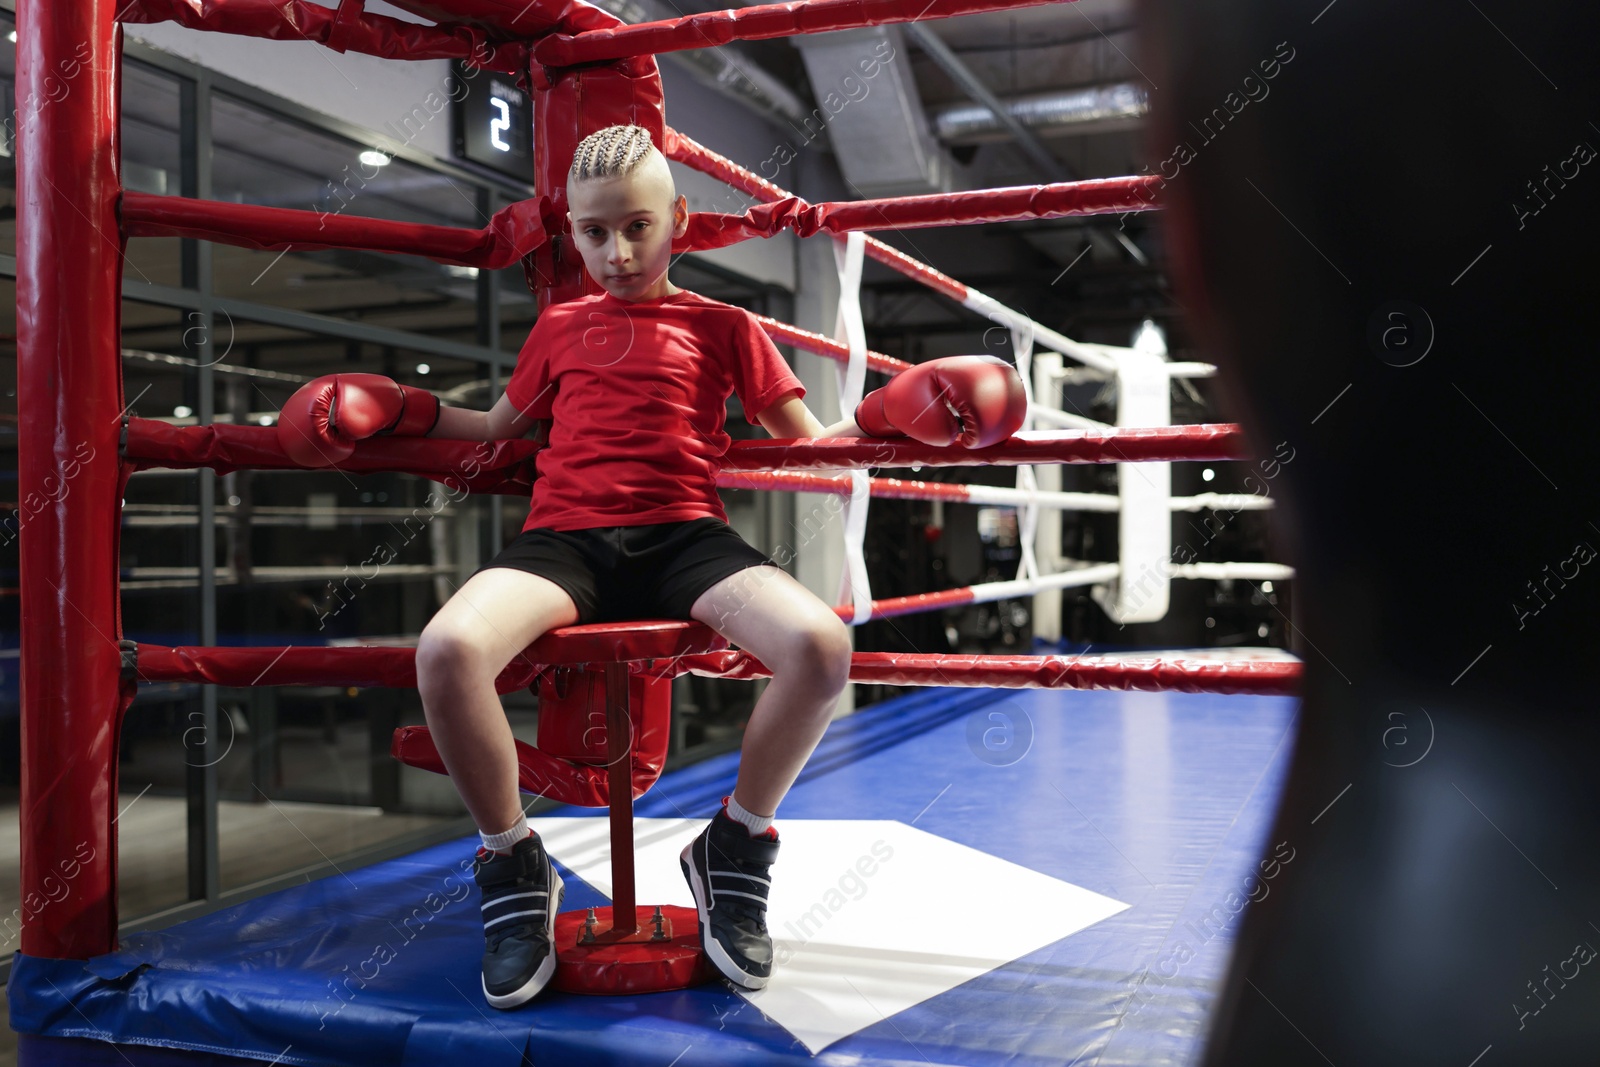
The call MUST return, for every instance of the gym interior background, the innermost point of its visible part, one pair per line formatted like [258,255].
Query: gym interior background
[299,779]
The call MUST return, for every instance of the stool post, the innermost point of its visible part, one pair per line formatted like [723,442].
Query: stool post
[619,768]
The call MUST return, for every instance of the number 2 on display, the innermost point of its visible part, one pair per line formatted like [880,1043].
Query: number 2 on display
[499,125]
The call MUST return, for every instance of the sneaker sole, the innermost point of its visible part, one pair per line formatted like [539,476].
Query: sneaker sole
[713,948]
[541,978]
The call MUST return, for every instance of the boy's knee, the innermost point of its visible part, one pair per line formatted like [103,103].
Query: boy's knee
[443,654]
[823,655]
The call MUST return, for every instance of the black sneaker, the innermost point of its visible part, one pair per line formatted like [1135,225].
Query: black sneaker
[727,873]
[521,895]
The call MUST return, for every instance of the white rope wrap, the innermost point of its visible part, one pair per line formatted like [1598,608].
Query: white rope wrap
[849,256]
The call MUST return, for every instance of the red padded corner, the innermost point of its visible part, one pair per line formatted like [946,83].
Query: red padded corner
[572,716]
[564,781]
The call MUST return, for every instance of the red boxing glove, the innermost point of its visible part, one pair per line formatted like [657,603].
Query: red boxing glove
[973,401]
[322,422]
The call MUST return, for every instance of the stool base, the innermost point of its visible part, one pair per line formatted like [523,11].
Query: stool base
[608,964]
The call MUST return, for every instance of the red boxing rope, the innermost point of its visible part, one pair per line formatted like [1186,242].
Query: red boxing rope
[365,666]
[505,466]
[519,18]
[461,466]
[914,604]
[513,232]
[784,334]
[347,29]
[394,667]
[692,154]
[839,484]
[1099,196]
[751,24]
[523,228]
[1202,441]
[1153,675]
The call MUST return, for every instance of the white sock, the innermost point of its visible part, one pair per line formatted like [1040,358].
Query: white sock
[756,824]
[504,841]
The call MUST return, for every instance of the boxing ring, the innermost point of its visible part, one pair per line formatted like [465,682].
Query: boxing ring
[1086,957]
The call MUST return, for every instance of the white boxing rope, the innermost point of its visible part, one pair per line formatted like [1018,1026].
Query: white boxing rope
[1256,572]
[1089,355]
[1105,502]
[1049,500]
[1100,574]
[1191,370]
[1174,370]
[848,256]
[1223,502]
[1096,574]
[1066,420]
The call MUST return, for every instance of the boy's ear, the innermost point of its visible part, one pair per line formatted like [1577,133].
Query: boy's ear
[680,216]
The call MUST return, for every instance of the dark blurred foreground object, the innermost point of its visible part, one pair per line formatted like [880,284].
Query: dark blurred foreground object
[1385,218]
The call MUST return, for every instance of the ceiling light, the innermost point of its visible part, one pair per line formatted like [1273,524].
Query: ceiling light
[423,368]
[1207,474]
[374,158]
[182,411]
[265,420]
[1266,587]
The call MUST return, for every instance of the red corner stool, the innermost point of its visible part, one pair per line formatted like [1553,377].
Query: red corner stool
[602,741]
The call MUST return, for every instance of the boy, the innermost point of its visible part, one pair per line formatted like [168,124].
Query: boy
[626,523]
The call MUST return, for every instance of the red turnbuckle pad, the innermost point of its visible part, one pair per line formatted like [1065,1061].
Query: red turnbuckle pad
[664,953]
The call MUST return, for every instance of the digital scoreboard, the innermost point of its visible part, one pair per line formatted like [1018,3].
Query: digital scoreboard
[493,121]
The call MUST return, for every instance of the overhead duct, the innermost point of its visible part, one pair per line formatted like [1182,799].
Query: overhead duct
[1097,109]
[869,109]
[723,68]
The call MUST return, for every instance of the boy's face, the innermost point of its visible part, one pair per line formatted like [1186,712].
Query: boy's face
[624,229]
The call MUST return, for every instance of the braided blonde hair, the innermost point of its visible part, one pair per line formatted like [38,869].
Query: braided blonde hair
[610,153]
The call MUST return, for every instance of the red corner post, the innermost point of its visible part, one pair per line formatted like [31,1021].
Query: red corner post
[69,389]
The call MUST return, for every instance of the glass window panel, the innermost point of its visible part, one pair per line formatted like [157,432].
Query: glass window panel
[8,138]
[307,558]
[263,159]
[329,558]
[151,163]
[160,604]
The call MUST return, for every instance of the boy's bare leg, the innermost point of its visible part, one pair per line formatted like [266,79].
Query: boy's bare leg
[488,622]
[783,624]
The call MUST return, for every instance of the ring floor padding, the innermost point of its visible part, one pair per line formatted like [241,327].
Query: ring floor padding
[1145,812]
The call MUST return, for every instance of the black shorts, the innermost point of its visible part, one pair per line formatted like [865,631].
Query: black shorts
[619,573]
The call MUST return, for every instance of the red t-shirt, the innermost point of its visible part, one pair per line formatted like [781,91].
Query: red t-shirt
[638,393]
